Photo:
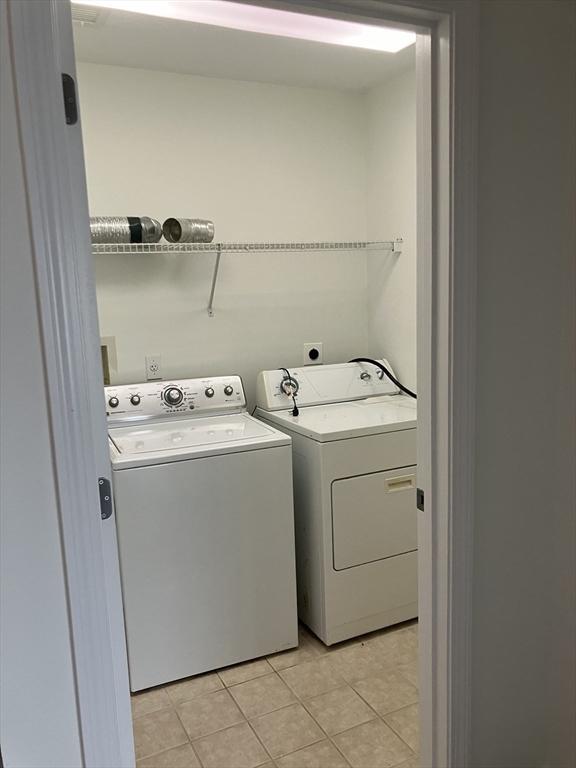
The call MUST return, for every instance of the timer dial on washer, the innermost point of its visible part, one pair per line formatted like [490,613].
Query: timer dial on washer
[173,396]
[135,399]
[228,390]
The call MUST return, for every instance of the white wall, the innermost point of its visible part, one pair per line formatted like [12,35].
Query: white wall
[38,718]
[391,198]
[524,636]
[265,162]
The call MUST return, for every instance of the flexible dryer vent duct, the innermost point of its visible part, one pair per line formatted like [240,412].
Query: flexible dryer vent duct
[124,229]
[188,230]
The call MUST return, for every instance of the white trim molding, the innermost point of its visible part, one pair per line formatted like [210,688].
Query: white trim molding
[451,326]
[462,390]
[58,217]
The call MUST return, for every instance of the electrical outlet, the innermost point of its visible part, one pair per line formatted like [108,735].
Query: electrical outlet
[312,353]
[153,367]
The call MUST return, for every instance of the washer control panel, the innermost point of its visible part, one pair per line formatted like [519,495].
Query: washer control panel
[183,398]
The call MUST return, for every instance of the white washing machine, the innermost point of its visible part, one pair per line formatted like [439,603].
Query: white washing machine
[354,464]
[203,501]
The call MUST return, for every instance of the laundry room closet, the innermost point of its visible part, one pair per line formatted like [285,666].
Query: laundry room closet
[275,140]
[252,196]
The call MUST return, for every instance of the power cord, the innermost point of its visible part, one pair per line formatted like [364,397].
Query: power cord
[290,389]
[385,370]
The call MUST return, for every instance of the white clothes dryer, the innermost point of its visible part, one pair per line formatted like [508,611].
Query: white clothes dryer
[354,464]
[203,501]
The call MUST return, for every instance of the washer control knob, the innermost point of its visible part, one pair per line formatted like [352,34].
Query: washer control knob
[135,399]
[365,376]
[228,390]
[113,402]
[209,392]
[173,396]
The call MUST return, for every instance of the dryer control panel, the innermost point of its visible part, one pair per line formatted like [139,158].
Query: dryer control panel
[321,384]
[181,398]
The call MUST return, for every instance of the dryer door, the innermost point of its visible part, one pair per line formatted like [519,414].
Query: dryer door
[373,517]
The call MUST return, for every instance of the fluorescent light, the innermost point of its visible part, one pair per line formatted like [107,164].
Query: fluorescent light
[268,21]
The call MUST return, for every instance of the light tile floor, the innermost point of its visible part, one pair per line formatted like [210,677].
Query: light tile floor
[353,705]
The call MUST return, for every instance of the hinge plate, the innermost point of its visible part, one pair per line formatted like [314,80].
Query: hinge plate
[70,103]
[105,498]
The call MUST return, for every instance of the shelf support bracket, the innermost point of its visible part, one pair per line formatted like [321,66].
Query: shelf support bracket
[214,280]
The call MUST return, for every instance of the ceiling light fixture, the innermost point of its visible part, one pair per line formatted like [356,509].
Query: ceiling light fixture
[268,21]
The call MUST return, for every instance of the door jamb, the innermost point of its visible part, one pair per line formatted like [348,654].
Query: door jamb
[70,344]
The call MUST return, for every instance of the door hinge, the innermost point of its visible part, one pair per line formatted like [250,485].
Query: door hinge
[105,498]
[70,103]
[420,499]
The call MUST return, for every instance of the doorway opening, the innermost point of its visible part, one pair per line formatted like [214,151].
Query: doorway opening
[254,207]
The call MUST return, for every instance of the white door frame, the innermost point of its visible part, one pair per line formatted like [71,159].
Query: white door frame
[447,117]
[41,48]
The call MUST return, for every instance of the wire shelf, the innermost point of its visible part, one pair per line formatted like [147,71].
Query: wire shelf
[394,246]
[120,248]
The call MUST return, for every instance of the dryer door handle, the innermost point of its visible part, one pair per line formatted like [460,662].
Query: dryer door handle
[402,483]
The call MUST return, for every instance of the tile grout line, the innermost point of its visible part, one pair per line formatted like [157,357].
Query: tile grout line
[250,661]
[266,750]
[197,756]
[327,736]
[377,716]
[189,740]
[287,706]
[299,700]
[174,746]
[152,712]
[218,730]
[245,720]
[381,717]
[394,729]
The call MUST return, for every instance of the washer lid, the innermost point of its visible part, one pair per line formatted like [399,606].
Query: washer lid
[338,421]
[186,438]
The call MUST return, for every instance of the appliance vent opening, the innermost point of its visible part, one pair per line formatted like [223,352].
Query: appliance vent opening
[85,14]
